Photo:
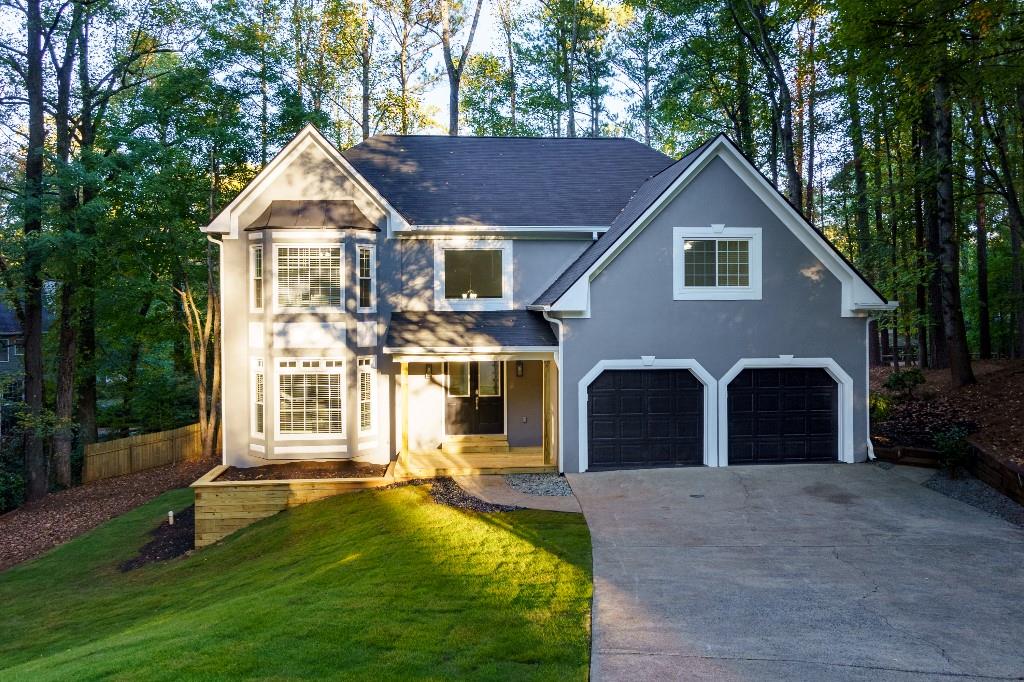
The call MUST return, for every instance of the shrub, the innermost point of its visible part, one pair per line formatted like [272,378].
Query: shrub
[903,382]
[952,444]
[12,490]
[880,407]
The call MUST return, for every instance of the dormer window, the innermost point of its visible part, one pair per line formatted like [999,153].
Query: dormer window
[473,275]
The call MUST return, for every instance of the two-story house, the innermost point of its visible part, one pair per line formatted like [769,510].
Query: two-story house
[531,303]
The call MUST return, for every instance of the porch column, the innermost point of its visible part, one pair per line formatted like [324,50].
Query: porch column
[405,407]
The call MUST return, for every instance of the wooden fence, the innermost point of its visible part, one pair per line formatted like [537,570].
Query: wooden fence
[136,453]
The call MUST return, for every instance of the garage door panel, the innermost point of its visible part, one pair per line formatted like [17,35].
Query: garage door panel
[658,418]
[783,415]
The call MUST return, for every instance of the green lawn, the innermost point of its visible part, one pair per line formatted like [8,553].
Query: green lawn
[373,585]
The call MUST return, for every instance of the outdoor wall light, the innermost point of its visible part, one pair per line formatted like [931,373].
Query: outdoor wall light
[428,370]
[519,368]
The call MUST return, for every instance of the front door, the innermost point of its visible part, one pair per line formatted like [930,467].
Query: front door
[474,398]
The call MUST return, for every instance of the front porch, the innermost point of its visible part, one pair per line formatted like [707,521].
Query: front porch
[431,464]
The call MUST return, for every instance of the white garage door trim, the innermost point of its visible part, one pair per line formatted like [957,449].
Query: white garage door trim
[845,426]
[650,362]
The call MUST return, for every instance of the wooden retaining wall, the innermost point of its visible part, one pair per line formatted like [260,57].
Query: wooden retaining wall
[222,507]
[1006,477]
[136,453]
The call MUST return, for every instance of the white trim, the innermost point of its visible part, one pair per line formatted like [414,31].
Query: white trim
[857,296]
[681,292]
[470,357]
[253,249]
[19,348]
[341,449]
[867,387]
[256,447]
[503,303]
[845,392]
[340,370]
[561,386]
[257,367]
[226,222]
[372,248]
[432,350]
[329,244]
[702,375]
[506,228]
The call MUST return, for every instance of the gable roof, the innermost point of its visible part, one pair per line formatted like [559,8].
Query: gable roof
[642,199]
[226,222]
[858,293]
[506,181]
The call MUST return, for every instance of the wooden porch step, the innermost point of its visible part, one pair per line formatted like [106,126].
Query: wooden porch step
[464,445]
[437,463]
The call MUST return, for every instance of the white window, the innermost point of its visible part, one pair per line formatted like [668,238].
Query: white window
[309,277]
[258,398]
[256,280]
[19,348]
[366,276]
[5,351]
[310,399]
[716,263]
[367,392]
[473,274]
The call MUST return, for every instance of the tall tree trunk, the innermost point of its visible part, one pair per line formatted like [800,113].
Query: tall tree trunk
[981,238]
[921,297]
[949,254]
[744,121]
[507,27]
[32,307]
[938,348]
[63,436]
[812,86]
[860,178]
[452,66]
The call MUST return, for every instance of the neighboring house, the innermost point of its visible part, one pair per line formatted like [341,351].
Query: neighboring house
[12,351]
[518,302]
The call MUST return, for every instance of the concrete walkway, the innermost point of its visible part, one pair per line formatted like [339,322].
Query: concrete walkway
[800,572]
[495,490]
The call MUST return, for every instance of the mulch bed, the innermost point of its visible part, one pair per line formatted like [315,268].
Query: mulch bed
[293,470]
[168,541]
[27,532]
[992,409]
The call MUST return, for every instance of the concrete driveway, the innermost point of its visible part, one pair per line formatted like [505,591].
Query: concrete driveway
[800,572]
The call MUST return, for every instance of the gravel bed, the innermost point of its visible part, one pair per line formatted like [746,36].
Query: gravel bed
[446,491]
[966,488]
[551,485]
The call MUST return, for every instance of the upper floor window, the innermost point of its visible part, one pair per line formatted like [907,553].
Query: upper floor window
[367,278]
[256,268]
[716,263]
[473,275]
[309,277]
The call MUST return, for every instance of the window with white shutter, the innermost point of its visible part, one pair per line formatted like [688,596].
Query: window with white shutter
[311,398]
[309,277]
[256,270]
[367,379]
[367,279]
[258,398]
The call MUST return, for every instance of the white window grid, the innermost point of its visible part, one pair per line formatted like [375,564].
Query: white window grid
[309,277]
[310,399]
[367,395]
[366,278]
[256,287]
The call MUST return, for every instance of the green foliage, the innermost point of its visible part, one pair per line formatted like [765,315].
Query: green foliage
[956,451]
[405,587]
[880,407]
[903,382]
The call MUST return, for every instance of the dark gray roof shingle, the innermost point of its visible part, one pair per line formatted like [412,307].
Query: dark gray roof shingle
[505,328]
[642,199]
[509,181]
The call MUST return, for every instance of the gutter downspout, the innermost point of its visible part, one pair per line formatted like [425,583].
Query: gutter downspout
[867,386]
[545,310]
[219,241]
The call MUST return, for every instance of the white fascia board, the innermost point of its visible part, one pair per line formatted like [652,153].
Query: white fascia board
[226,222]
[506,228]
[433,350]
[853,286]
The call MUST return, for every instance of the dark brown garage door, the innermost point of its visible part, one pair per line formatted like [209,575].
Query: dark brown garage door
[783,415]
[645,418]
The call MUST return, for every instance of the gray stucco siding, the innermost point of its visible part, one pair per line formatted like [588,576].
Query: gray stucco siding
[633,312]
